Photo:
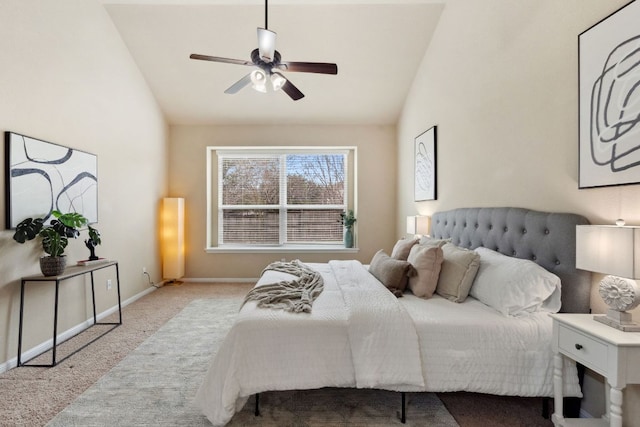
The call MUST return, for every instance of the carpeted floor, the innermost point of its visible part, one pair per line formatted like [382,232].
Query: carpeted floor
[155,384]
[34,396]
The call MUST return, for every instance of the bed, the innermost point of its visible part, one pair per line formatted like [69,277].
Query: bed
[358,334]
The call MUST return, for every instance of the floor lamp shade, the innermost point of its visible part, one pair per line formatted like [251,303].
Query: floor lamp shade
[172,237]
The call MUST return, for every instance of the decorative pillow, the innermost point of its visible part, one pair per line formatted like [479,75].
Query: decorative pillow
[514,286]
[458,270]
[402,248]
[426,260]
[427,240]
[393,273]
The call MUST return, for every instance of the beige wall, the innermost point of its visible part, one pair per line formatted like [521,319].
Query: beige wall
[500,80]
[66,77]
[376,188]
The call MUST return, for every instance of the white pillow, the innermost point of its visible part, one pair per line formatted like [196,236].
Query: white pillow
[513,286]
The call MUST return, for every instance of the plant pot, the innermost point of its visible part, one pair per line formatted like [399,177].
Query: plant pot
[53,265]
[348,238]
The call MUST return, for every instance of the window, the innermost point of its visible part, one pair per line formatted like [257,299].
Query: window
[281,197]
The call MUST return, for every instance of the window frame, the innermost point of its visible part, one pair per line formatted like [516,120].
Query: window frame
[214,197]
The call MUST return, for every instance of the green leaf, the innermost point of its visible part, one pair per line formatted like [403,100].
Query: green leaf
[94,236]
[27,229]
[71,220]
[52,242]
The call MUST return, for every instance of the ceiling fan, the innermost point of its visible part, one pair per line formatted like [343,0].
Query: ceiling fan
[268,64]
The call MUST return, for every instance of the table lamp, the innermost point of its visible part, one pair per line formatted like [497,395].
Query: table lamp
[613,250]
[418,225]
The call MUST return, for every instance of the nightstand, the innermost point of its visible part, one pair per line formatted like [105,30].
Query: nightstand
[601,348]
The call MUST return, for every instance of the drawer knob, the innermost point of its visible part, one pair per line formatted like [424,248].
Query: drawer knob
[578,347]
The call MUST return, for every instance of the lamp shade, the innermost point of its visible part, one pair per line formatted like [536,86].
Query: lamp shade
[609,249]
[419,224]
[172,222]
[411,225]
[423,224]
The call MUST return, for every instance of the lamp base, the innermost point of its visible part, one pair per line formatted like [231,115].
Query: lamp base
[620,320]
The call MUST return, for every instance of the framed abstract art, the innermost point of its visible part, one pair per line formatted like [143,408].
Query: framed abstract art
[42,177]
[425,166]
[609,90]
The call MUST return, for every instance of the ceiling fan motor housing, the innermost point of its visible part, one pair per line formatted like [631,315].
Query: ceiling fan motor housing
[259,62]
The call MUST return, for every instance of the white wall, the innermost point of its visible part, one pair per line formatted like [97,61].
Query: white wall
[67,77]
[500,80]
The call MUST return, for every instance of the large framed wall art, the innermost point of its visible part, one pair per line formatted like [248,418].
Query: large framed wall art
[609,90]
[42,177]
[425,166]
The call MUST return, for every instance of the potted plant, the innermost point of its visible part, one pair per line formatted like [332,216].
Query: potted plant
[347,219]
[55,237]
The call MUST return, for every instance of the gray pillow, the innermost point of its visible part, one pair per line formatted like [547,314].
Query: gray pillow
[393,273]
[457,272]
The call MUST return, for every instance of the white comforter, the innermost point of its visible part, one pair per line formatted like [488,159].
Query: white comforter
[357,335]
[472,347]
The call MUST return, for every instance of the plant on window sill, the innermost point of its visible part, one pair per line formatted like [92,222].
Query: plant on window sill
[347,220]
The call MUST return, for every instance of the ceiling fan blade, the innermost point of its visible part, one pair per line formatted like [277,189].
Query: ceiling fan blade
[309,67]
[293,92]
[266,44]
[234,88]
[219,59]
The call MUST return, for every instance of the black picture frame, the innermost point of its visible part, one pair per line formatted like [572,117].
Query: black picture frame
[41,176]
[425,166]
[609,100]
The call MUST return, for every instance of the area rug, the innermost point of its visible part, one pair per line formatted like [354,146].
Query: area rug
[156,383]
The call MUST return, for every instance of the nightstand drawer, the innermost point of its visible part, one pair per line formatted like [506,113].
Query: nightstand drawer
[584,349]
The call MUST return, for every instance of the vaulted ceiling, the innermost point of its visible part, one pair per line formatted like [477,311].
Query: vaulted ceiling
[377,44]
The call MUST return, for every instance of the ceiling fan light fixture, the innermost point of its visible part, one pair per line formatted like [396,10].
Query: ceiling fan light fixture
[277,81]
[259,80]
[266,60]
[266,44]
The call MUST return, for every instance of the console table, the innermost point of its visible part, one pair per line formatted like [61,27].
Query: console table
[73,271]
[611,353]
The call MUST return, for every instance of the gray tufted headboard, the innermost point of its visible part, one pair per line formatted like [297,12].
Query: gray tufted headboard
[548,239]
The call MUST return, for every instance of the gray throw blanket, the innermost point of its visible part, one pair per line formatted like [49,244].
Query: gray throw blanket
[296,295]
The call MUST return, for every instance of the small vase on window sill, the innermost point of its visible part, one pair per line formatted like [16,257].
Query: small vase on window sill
[348,237]
[347,219]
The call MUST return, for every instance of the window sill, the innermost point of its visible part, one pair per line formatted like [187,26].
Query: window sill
[280,249]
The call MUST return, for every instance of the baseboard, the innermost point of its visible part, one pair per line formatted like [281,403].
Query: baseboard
[47,345]
[218,280]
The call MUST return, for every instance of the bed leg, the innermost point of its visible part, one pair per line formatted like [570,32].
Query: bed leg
[403,413]
[545,407]
[257,411]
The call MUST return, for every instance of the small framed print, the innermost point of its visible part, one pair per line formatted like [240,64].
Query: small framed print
[425,166]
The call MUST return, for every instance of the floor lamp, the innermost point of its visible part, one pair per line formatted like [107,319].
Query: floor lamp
[172,238]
